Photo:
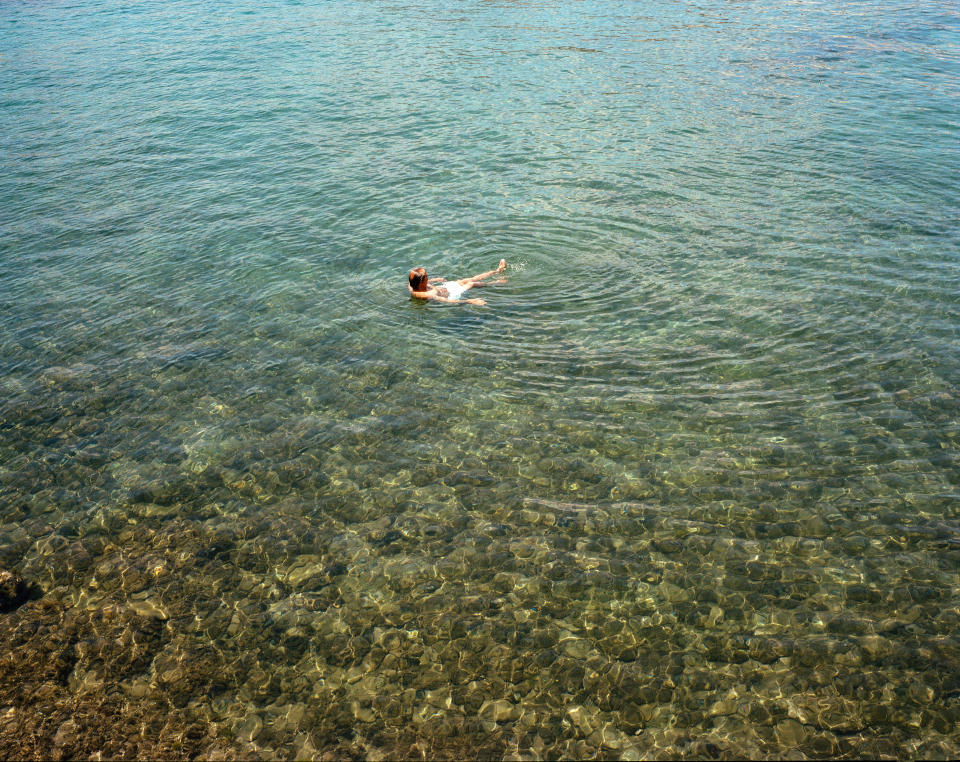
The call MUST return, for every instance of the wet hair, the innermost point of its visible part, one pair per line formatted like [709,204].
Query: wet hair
[418,279]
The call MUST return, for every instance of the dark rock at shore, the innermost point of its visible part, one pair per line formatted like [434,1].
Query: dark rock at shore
[14,591]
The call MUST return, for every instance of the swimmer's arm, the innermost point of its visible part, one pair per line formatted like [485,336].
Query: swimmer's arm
[438,279]
[429,296]
[437,298]
[446,300]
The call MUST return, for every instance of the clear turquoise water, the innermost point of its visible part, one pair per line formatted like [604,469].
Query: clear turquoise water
[686,486]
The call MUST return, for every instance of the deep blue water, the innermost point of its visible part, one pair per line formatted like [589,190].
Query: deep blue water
[688,484]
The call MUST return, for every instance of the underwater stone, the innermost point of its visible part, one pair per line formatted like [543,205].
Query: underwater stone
[380,538]
[757,570]
[824,745]
[845,624]
[791,734]
[723,707]
[862,594]
[499,710]
[668,545]
[876,646]
[67,734]
[468,478]
[249,728]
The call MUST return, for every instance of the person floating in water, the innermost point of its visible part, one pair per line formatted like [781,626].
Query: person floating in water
[450,291]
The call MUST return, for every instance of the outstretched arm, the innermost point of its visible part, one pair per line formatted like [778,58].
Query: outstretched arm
[445,300]
[428,296]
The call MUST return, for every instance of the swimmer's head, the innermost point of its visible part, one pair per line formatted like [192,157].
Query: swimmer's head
[418,279]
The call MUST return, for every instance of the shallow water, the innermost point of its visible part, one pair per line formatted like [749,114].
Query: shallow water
[689,484]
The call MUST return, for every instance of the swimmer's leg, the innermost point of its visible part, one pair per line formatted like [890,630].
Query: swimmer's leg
[481,283]
[482,276]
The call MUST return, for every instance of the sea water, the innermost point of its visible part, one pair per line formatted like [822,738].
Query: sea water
[688,484]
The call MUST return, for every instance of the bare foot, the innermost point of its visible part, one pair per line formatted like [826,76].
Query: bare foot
[502,266]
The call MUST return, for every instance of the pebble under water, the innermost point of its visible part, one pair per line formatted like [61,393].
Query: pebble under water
[687,487]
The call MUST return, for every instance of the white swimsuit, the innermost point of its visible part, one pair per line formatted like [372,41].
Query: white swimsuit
[454,289]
